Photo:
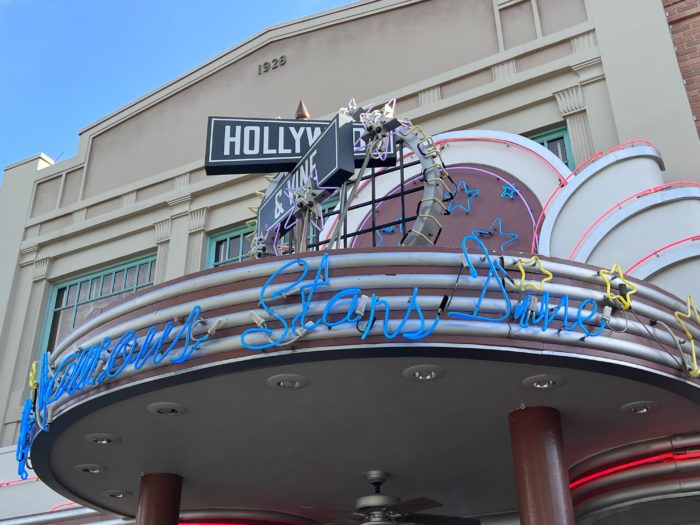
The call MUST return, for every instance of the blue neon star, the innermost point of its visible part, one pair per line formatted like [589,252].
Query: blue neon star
[462,186]
[489,232]
[509,191]
[381,238]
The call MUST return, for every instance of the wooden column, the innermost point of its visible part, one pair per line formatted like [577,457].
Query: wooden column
[541,476]
[159,499]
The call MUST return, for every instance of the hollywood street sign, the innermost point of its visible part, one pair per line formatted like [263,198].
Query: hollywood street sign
[254,145]
[327,164]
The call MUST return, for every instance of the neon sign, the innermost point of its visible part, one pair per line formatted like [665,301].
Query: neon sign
[99,363]
[352,304]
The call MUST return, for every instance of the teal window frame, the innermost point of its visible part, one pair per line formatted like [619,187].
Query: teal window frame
[237,232]
[243,230]
[94,293]
[560,133]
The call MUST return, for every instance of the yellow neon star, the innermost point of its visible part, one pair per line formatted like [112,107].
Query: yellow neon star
[523,284]
[32,377]
[625,300]
[692,311]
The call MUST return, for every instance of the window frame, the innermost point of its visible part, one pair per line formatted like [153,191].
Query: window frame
[558,133]
[237,231]
[89,277]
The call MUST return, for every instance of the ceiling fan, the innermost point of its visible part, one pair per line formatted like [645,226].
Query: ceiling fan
[383,509]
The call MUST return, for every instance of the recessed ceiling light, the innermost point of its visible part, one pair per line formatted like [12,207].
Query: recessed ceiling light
[639,407]
[288,381]
[117,494]
[102,439]
[544,384]
[424,372]
[91,468]
[166,408]
[544,381]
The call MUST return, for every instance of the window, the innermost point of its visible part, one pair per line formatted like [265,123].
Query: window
[229,247]
[557,141]
[233,246]
[74,301]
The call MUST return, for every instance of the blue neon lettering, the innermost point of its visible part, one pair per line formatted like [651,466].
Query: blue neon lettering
[78,370]
[354,295]
[496,272]
[24,442]
[263,303]
[493,281]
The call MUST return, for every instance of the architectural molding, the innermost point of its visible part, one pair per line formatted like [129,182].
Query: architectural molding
[79,216]
[196,250]
[589,71]
[27,255]
[503,70]
[570,100]
[177,202]
[31,231]
[580,136]
[429,96]
[128,199]
[161,260]
[163,230]
[198,219]
[583,42]
[573,108]
[181,181]
[41,267]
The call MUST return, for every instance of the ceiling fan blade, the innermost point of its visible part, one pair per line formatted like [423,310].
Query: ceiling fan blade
[435,519]
[414,505]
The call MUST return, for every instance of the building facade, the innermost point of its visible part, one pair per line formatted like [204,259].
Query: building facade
[585,108]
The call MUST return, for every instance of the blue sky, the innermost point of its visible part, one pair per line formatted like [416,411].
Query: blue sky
[66,63]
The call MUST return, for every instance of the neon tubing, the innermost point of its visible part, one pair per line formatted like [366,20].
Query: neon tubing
[648,191]
[657,252]
[631,464]
[576,171]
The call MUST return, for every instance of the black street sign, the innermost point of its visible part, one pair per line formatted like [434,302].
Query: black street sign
[254,145]
[330,161]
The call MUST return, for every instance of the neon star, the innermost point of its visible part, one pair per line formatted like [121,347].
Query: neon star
[489,232]
[381,238]
[509,191]
[471,194]
[523,284]
[692,312]
[625,300]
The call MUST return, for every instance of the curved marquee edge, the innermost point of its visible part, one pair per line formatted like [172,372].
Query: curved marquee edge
[560,200]
[626,212]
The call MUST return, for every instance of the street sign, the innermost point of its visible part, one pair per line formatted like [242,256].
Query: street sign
[254,145]
[329,162]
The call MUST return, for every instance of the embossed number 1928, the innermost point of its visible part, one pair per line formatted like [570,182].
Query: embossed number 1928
[272,64]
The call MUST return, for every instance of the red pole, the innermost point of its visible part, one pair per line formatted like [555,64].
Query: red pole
[159,499]
[541,476]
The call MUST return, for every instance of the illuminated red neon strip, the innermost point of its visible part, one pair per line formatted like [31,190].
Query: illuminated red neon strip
[585,163]
[631,143]
[61,505]
[663,248]
[626,466]
[17,481]
[612,208]
[589,160]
